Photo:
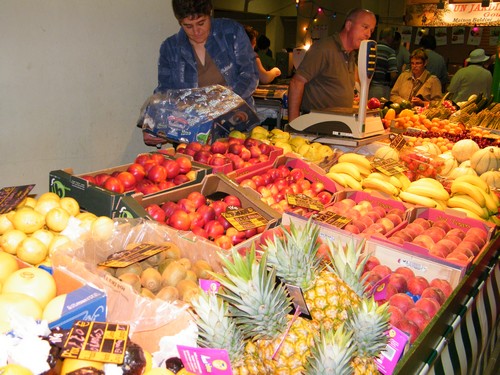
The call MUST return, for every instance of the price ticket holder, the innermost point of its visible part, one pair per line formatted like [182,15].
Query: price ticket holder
[271,97]
[354,124]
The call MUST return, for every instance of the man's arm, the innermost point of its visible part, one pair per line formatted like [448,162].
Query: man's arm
[295,94]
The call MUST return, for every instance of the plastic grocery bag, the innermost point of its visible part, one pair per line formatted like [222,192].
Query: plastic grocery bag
[200,114]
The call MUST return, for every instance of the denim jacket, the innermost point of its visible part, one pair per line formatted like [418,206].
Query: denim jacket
[228,46]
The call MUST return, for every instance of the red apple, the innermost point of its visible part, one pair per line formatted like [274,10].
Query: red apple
[101,178]
[179,220]
[214,229]
[199,231]
[157,173]
[141,159]
[232,200]
[434,293]
[402,301]
[137,170]
[186,205]
[218,160]
[181,179]
[429,305]
[219,147]
[196,220]
[395,315]
[172,168]
[245,154]
[398,281]
[197,198]
[156,212]
[410,328]
[235,235]
[196,146]
[114,184]
[248,182]
[185,164]
[418,316]
[207,212]
[169,208]
[89,178]
[202,157]
[128,180]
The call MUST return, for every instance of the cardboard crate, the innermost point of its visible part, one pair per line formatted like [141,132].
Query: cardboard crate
[84,301]
[100,201]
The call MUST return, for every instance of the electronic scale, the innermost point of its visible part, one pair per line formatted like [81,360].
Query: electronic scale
[352,123]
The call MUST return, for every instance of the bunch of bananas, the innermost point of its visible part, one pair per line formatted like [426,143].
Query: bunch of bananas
[472,195]
[390,185]
[425,192]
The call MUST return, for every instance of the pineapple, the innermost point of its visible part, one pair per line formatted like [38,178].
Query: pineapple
[260,306]
[217,330]
[332,353]
[368,322]
[329,292]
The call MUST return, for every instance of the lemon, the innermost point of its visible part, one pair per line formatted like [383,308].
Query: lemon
[70,365]
[71,205]
[8,264]
[57,219]
[14,369]
[10,240]
[44,235]
[5,224]
[49,196]
[28,220]
[33,251]
[45,206]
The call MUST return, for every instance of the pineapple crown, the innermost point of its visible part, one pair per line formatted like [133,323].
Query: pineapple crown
[295,254]
[215,328]
[332,353]
[368,322]
[348,262]
[257,302]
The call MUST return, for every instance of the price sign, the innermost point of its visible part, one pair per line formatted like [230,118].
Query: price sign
[10,197]
[398,141]
[302,200]
[389,167]
[140,252]
[245,218]
[332,218]
[96,341]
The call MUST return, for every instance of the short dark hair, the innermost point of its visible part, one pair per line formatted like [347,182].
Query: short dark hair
[263,42]
[191,8]
[428,42]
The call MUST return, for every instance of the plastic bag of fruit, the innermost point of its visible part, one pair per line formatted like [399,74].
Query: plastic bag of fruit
[199,114]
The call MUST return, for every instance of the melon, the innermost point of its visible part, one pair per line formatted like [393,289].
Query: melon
[429,148]
[450,163]
[486,159]
[387,152]
[492,178]
[461,171]
[464,149]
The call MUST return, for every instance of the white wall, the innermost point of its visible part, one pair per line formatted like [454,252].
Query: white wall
[73,76]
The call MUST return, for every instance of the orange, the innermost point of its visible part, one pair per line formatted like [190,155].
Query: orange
[33,251]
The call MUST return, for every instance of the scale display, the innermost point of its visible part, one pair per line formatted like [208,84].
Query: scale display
[352,122]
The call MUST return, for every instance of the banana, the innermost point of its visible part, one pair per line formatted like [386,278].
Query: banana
[339,178]
[348,168]
[468,189]
[469,213]
[490,202]
[474,180]
[357,159]
[417,199]
[441,204]
[465,201]
[405,181]
[426,181]
[396,182]
[429,191]
[495,220]
[495,198]
[390,179]
[383,186]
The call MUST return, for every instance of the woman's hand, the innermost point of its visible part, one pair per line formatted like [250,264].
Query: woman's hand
[276,72]
[417,102]
[151,140]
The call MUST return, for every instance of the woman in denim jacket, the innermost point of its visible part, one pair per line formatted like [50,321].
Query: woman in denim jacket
[206,51]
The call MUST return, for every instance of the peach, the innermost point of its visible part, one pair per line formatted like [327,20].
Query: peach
[451,245]
[435,233]
[424,223]
[382,270]
[398,281]
[360,225]
[340,207]
[429,305]
[458,257]
[439,251]
[415,228]
[353,214]
[405,271]
[396,219]
[350,203]
[374,215]
[352,228]
[404,235]
[402,301]
[417,284]
[366,204]
[390,290]
[380,210]
[457,240]
[424,241]
[419,317]
[397,240]
[370,279]
[410,328]
[456,232]
[474,248]
[478,232]
[465,251]
[371,262]
[472,237]
[397,211]
[434,293]
[366,220]
[386,223]
[442,284]
[375,228]
[395,315]
[442,224]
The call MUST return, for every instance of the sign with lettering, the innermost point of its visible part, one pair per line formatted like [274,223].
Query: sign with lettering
[456,14]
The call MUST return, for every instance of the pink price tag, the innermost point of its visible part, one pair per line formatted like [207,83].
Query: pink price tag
[205,361]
